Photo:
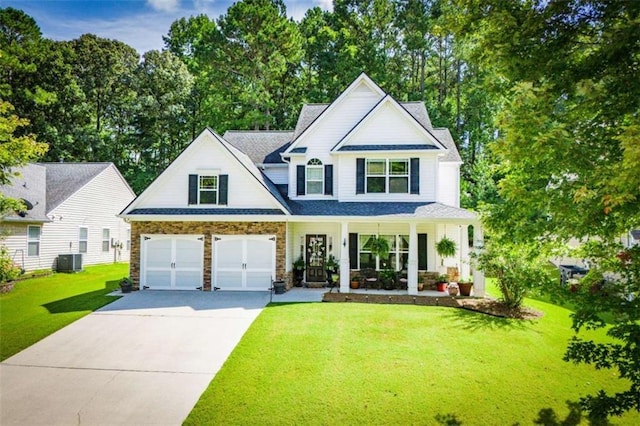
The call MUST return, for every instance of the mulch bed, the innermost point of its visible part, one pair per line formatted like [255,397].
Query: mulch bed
[485,306]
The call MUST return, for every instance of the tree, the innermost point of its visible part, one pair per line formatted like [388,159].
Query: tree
[15,152]
[568,155]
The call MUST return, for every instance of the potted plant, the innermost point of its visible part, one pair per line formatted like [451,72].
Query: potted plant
[446,247]
[279,287]
[298,271]
[379,247]
[465,286]
[453,289]
[332,264]
[354,283]
[126,284]
[388,277]
[441,282]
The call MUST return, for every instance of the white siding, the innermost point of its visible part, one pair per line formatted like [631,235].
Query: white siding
[449,184]
[94,206]
[388,126]
[205,155]
[277,174]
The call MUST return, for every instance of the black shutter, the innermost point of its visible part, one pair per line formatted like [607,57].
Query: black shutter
[193,189]
[328,179]
[414,171]
[422,252]
[353,251]
[223,189]
[359,175]
[300,180]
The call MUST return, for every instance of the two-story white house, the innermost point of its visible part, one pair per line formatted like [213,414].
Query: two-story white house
[234,212]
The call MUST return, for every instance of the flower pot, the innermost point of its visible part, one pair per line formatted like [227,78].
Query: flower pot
[453,290]
[354,284]
[279,287]
[441,286]
[465,289]
[126,288]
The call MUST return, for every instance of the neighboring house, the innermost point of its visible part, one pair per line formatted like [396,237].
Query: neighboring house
[71,208]
[234,212]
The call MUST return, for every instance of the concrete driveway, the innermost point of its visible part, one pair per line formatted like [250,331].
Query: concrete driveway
[144,359]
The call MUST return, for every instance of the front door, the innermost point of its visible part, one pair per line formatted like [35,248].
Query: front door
[316,257]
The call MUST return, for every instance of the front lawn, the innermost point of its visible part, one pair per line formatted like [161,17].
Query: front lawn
[333,363]
[38,307]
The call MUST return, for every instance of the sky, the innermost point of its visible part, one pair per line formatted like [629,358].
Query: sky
[138,23]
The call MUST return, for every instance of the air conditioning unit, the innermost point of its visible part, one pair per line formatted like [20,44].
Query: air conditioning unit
[69,262]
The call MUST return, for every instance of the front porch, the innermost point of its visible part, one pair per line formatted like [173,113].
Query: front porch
[337,249]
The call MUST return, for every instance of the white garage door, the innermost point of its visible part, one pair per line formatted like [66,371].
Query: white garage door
[172,262]
[243,262]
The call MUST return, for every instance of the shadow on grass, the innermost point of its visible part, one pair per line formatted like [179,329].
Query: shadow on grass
[85,301]
[470,320]
[548,417]
[447,419]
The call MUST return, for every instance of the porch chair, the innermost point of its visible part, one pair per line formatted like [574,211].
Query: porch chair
[401,280]
[370,278]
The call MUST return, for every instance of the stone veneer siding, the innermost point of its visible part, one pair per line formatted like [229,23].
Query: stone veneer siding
[207,229]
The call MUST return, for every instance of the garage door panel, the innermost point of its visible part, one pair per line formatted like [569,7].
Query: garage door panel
[188,280]
[188,254]
[258,280]
[259,254]
[159,253]
[158,279]
[172,261]
[243,262]
[229,280]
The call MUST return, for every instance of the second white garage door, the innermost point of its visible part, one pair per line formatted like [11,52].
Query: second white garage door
[243,262]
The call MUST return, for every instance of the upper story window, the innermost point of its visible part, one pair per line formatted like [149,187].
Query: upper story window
[387,176]
[315,176]
[208,190]
[33,240]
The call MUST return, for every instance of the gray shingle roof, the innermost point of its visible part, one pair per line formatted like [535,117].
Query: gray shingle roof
[407,209]
[263,147]
[64,179]
[205,211]
[444,136]
[419,112]
[30,186]
[308,114]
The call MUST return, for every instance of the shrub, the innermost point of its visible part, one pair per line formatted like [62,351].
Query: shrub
[518,268]
[9,271]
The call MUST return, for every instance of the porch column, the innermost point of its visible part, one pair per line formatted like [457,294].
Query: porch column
[412,267]
[478,275]
[344,257]
[465,266]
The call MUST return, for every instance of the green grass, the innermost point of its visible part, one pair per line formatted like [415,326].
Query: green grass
[40,306]
[389,364]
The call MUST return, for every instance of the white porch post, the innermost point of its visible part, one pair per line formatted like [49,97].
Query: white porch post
[344,257]
[478,275]
[465,266]
[412,267]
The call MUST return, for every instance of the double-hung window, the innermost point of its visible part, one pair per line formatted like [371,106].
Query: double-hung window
[208,190]
[315,176]
[387,176]
[398,252]
[106,239]
[83,237]
[33,240]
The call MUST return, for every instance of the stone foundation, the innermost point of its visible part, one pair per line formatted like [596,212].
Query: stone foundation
[207,229]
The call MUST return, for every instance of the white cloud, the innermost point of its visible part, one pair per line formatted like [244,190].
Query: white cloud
[164,5]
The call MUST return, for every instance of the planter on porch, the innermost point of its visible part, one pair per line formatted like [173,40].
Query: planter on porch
[442,283]
[465,288]
[126,284]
